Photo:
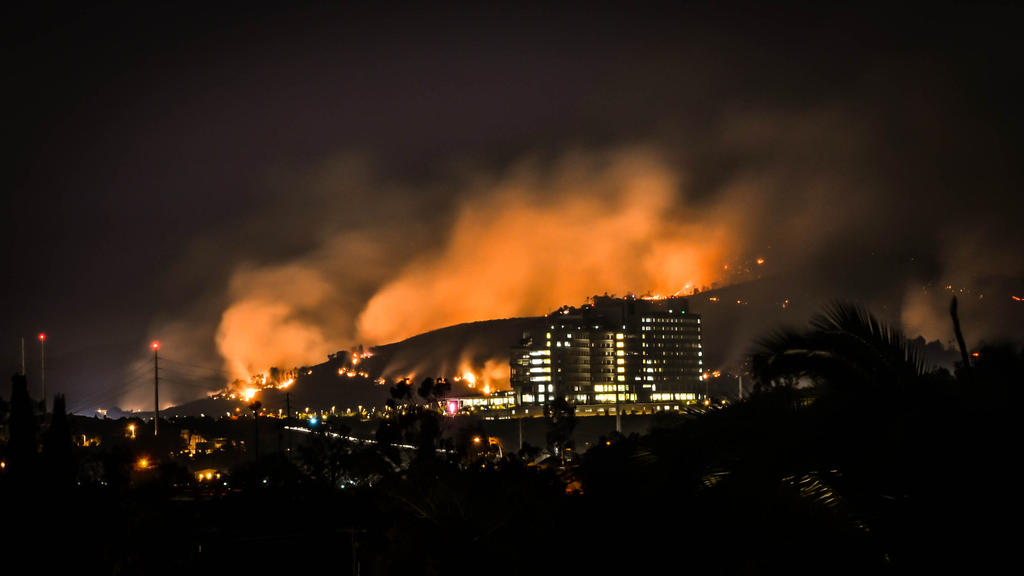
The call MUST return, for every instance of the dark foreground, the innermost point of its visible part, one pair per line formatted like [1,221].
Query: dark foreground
[881,466]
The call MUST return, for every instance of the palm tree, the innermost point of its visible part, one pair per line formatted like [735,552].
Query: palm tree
[847,350]
[892,439]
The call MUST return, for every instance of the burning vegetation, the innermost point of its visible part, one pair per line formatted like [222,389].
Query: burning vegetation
[521,241]
[616,220]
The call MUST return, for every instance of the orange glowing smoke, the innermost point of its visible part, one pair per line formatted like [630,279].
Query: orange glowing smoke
[265,325]
[536,242]
[520,244]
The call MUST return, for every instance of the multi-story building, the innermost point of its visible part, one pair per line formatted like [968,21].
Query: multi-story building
[611,350]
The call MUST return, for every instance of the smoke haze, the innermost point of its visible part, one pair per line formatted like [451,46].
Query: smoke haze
[804,190]
[270,187]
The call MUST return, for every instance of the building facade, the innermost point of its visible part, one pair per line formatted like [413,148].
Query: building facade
[610,351]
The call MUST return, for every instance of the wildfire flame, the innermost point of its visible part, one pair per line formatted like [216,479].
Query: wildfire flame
[618,219]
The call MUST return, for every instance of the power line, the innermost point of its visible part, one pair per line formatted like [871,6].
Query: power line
[199,366]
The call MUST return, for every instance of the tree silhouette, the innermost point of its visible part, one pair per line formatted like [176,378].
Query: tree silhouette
[22,443]
[846,350]
[402,390]
[426,389]
[561,416]
[325,456]
[256,407]
[441,388]
[893,441]
[58,461]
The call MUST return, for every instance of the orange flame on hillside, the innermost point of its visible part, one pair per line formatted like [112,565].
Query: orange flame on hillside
[535,245]
[520,245]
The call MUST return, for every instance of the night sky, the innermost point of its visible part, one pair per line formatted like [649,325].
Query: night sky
[257,186]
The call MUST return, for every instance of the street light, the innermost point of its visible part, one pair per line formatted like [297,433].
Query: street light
[42,360]
[156,386]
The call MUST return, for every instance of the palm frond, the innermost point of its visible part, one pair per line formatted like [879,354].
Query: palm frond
[845,343]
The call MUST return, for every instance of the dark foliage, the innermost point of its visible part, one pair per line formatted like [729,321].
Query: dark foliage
[851,457]
[561,416]
[22,435]
[58,463]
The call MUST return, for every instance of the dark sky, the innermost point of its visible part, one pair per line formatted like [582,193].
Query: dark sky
[173,163]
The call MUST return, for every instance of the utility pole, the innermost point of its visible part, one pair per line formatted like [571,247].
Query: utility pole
[156,387]
[256,407]
[288,411]
[42,361]
[520,421]
[618,411]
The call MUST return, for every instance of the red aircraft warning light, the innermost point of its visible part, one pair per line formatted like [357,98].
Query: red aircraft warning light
[155,345]
[42,337]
